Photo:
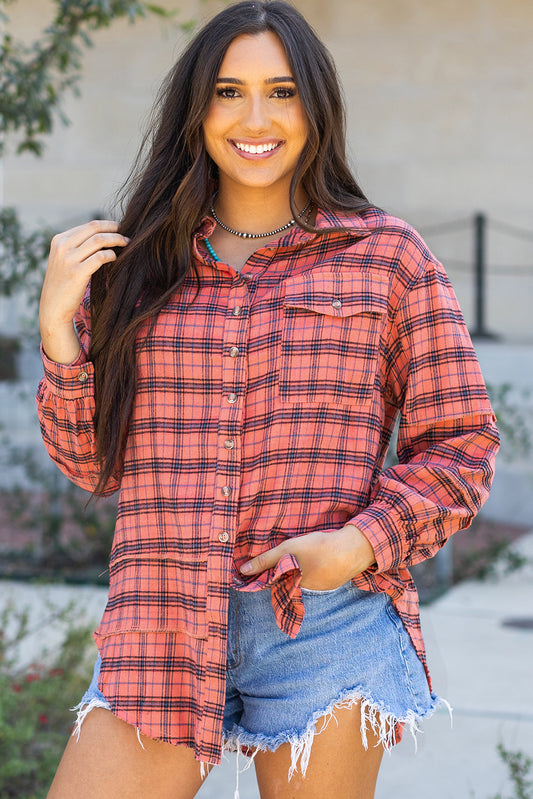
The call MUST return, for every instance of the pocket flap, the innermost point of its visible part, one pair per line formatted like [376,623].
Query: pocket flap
[337,293]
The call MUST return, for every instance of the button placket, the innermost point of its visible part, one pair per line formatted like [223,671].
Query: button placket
[234,378]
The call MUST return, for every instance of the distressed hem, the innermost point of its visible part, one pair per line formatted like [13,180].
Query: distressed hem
[382,722]
[83,710]
[85,707]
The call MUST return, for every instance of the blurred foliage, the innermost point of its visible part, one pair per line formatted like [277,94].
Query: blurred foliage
[520,769]
[23,257]
[34,77]
[513,413]
[35,720]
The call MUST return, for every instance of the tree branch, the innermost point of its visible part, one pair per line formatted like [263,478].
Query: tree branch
[34,79]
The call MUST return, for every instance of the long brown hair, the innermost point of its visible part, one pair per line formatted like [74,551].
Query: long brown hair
[170,188]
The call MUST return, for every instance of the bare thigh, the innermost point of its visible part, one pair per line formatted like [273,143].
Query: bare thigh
[108,761]
[339,766]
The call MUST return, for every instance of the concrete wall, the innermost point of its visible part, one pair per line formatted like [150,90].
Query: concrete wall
[440,109]
[440,105]
[512,493]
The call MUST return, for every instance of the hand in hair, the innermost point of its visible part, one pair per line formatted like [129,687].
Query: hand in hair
[74,256]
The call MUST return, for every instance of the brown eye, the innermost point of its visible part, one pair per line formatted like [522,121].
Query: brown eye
[284,93]
[227,92]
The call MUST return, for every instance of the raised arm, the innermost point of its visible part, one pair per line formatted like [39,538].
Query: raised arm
[65,398]
[74,256]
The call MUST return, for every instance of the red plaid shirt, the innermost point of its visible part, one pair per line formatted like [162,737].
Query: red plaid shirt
[263,411]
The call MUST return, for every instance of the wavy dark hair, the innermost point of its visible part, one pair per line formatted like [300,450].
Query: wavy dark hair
[169,190]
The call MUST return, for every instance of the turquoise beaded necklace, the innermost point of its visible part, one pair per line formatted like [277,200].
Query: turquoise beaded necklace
[211,250]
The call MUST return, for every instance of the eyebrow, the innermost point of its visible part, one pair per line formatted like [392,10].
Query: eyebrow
[277,79]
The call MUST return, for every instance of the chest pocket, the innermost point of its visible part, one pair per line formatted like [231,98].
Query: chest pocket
[330,338]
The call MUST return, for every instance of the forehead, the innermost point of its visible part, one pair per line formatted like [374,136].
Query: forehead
[254,56]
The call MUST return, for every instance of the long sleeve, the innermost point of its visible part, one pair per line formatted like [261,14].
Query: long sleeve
[65,404]
[447,438]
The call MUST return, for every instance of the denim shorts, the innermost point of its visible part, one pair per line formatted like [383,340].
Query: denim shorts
[352,648]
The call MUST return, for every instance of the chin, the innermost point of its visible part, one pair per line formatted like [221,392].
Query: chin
[260,181]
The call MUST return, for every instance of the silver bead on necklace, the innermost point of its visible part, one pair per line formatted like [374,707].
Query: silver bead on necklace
[243,235]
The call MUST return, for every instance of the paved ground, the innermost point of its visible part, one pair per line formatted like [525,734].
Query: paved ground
[482,667]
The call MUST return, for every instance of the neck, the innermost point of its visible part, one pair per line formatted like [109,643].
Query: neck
[256,210]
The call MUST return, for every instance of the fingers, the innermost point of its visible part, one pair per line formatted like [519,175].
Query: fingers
[74,256]
[87,246]
[100,242]
[264,561]
[77,235]
[327,559]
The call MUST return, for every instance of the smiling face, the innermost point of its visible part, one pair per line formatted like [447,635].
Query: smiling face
[256,126]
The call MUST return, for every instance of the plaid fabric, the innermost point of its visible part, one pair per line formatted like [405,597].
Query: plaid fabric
[264,410]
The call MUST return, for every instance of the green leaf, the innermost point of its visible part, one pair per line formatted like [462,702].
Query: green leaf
[160,11]
[30,146]
[36,76]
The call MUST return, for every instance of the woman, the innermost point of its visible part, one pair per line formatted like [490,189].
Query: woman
[253,329]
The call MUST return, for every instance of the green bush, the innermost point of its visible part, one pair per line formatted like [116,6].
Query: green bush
[35,702]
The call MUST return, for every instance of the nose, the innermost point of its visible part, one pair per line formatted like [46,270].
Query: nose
[256,118]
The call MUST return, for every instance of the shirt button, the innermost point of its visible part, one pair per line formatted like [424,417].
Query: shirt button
[223,538]
[232,398]
[233,351]
[229,444]
[337,304]
[83,376]
[246,276]
[226,491]
[237,310]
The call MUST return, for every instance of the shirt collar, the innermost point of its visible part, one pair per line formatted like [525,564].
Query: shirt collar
[347,222]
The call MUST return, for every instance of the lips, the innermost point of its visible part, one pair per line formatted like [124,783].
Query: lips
[259,149]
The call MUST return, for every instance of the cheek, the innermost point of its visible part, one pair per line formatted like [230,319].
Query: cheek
[212,126]
[300,125]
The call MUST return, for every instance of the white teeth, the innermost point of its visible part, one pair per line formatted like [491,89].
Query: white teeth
[256,149]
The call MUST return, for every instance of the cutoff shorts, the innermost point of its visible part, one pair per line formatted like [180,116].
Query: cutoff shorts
[352,648]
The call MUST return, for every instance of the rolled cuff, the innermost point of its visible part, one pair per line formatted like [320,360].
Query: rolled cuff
[69,381]
[390,549]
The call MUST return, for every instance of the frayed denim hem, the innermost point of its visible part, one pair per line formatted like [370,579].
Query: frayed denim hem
[375,717]
[83,710]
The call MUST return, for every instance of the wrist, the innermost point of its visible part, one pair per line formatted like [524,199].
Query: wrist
[358,548]
[61,344]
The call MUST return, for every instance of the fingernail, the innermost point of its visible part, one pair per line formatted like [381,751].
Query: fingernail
[246,568]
